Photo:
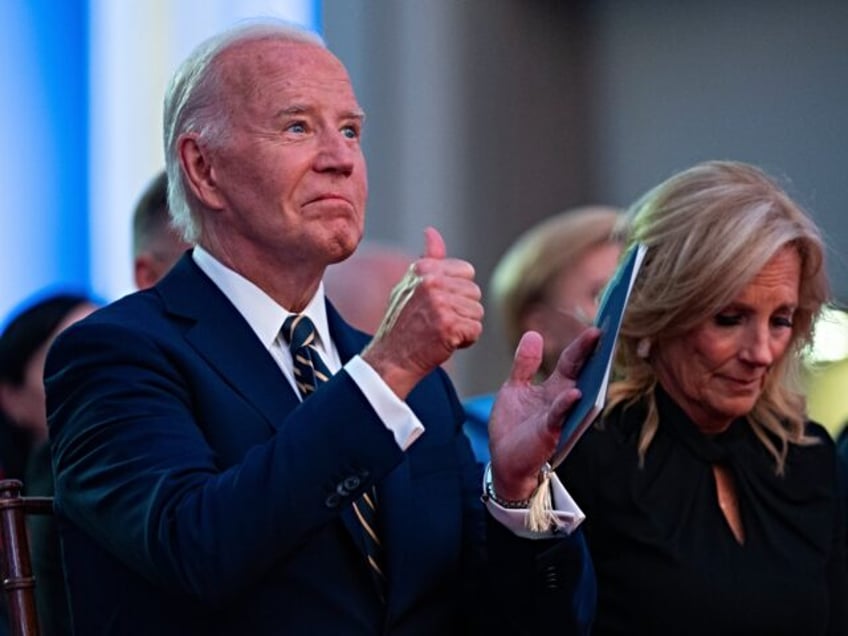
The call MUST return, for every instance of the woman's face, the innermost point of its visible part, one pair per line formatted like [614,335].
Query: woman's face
[717,371]
[25,403]
[573,300]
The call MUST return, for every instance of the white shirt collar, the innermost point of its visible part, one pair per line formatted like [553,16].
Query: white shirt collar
[264,315]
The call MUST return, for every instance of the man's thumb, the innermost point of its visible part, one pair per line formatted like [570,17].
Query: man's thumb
[434,244]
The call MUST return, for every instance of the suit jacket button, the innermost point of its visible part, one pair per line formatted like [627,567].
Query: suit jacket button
[551,577]
[341,490]
[352,483]
[333,500]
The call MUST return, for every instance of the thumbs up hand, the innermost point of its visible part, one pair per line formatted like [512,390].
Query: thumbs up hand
[433,311]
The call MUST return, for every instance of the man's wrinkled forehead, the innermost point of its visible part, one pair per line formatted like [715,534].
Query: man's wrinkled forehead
[255,71]
[274,56]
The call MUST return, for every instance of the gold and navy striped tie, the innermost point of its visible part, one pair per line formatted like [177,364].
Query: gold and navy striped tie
[309,369]
[310,372]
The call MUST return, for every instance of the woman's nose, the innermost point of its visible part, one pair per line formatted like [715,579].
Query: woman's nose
[757,348]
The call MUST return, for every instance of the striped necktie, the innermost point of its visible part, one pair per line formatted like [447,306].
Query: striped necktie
[309,369]
[309,373]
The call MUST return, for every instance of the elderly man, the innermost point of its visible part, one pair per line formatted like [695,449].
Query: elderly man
[232,458]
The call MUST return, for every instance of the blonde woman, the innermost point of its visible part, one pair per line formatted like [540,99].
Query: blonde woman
[712,502]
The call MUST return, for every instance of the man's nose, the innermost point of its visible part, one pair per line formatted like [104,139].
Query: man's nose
[336,152]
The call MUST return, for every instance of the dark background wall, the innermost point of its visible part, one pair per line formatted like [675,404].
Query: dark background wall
[485,116]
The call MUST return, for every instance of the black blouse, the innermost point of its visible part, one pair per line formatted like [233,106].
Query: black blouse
[668,563]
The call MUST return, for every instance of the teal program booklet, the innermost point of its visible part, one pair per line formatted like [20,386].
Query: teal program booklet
[595,374]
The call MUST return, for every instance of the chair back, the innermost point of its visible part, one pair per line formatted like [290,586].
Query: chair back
[15,561]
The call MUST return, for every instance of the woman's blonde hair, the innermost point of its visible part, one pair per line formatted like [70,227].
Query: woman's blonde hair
[528,270]
[709,230]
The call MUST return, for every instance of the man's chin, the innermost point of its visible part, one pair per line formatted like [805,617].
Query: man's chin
[345,246]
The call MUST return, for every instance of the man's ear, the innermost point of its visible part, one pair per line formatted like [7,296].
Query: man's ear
[199,172]
[144,271]
[3,396]
[8,400]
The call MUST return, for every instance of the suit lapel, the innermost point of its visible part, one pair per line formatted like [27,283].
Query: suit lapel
[349,341]
[219,333]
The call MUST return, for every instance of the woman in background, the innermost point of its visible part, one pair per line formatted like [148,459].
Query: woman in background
[549,281]
[23,348]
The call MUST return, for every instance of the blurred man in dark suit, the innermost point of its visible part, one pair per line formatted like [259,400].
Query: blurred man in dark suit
[157,245]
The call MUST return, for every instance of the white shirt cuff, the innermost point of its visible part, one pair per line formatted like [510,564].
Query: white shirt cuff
[567,514]
[394,412]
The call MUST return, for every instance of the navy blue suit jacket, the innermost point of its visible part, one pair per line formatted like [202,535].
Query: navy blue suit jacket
[197,495]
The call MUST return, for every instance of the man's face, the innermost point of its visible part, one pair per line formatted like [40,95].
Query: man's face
[290,169]
[152,263]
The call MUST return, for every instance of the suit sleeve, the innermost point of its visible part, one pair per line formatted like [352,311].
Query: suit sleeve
[522,586]
[135,470]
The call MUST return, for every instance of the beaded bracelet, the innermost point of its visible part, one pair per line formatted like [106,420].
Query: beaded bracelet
[489,493]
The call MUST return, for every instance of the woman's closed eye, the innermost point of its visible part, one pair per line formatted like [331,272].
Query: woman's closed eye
[782,321]
[731,319]
[728,319]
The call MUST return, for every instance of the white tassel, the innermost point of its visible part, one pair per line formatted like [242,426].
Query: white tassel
[540,515]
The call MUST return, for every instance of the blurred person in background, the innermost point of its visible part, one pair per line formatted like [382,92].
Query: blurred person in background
[549,281]
[23,348]
[360,286]
[157,245]
[712,502]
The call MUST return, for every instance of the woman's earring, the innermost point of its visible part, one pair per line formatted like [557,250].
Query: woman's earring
[643,348]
